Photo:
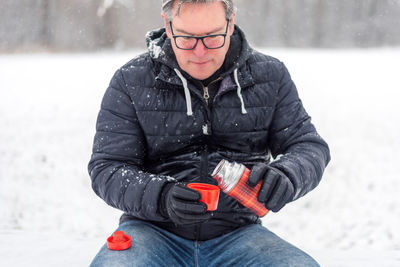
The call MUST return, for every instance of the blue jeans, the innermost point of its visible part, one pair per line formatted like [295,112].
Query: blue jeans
[251,245]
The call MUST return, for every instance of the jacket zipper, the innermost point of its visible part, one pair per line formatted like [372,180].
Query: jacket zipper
[206,94]
[206,131]
[197,232]
[204,162]
[204,155]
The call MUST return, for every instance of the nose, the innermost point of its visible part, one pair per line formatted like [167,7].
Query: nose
[200,50]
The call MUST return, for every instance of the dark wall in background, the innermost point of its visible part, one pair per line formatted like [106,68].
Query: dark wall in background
[86,25]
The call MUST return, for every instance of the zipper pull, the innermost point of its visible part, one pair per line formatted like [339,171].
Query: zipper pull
[207,128]
[206,95]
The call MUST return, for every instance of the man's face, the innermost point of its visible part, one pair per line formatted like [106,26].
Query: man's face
[199,20]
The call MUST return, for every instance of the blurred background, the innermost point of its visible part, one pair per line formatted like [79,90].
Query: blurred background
[88,25]
[57,58]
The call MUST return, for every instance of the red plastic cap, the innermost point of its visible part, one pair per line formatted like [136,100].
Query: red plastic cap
[119,241]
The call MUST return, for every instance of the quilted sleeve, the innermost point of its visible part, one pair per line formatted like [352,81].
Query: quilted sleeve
[298,149]
[119,149]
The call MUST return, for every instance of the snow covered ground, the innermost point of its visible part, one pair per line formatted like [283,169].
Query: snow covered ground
[49,215]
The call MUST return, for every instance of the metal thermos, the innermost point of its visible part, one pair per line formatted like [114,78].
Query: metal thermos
[232,179]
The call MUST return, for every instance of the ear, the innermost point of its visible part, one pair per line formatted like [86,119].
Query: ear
[166,25]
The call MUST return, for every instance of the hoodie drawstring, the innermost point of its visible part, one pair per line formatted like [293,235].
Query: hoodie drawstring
[189,99]
[239,91]
[187,93]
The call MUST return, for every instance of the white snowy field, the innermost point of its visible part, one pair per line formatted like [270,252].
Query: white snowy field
[49,215]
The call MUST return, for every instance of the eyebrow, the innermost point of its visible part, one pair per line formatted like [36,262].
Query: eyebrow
[210,32]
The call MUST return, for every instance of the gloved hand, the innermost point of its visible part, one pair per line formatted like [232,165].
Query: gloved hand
[276,189]
[181,204]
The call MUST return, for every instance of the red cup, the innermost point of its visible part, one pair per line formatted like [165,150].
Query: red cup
[209,194]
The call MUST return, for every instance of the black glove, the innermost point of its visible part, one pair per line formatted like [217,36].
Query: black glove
[276,189]
[181,204]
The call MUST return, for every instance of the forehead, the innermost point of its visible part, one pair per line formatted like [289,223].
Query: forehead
[199,17]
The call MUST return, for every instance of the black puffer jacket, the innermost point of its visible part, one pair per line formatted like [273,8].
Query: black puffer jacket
[153,130]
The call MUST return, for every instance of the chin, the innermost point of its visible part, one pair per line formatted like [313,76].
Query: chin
[200,77]
[201,74]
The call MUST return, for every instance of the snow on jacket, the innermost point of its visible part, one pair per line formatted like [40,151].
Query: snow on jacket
[155,127]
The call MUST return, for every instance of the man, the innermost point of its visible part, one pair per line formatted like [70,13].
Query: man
[199,95]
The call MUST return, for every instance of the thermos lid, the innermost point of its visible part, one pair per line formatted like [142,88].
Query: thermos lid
[228,174]
[119,241]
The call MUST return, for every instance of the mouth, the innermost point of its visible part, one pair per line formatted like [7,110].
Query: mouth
[199,63]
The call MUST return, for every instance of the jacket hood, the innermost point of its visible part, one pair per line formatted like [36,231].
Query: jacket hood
[160,48]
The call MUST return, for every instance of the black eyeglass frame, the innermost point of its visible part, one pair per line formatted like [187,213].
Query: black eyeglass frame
[200,37]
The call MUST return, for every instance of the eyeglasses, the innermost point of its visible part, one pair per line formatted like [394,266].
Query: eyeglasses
[188,42]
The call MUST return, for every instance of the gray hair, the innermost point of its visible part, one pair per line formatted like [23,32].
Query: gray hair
[167,5]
